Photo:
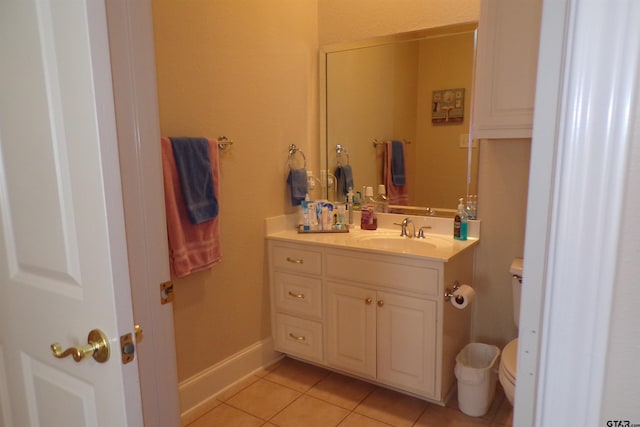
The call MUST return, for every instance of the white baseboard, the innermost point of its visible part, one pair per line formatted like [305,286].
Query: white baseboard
[197,394]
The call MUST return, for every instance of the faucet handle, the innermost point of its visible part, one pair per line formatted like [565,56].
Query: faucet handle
[421,231]
[403,232]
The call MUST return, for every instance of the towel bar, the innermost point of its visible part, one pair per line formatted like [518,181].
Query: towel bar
[377,142]
[224,143]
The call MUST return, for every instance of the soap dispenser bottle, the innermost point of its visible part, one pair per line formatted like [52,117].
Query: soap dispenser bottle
[460,222]
[368,215]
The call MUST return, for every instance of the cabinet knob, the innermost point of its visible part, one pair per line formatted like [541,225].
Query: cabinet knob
[380,303]
[368,301]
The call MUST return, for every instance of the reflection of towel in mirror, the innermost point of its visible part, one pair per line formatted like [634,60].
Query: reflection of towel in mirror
[345,178]
[397,195]
[196,180]
[397,163]
[297,181]
[192,247]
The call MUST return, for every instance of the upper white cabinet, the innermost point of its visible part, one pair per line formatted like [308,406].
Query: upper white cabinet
[506,67]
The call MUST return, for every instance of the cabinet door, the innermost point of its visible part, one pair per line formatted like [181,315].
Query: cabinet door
[506,68]
[406,342]
[351,329]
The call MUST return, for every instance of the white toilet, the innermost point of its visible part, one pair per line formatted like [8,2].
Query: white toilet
[508,361]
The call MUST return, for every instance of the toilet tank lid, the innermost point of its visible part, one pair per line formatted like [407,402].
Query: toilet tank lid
[516,267]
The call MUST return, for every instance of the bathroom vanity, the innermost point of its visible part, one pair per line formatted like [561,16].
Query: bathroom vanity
[371,304]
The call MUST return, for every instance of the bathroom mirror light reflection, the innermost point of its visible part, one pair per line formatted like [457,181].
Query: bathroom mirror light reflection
[382,89]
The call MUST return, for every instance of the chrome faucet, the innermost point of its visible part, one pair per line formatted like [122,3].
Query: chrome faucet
[405,223]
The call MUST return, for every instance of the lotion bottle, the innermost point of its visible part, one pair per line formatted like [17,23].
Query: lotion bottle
[460,222]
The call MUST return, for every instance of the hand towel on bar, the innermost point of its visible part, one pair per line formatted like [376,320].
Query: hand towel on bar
[196,180]
[344,176]
[397,163]
[297,181]
[192,247]
[397,195]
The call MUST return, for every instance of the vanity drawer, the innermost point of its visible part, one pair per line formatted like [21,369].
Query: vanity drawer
[295,259]
[298,337]
[298,295]
[383,271]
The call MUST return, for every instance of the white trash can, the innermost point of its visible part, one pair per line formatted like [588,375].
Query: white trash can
[476,374]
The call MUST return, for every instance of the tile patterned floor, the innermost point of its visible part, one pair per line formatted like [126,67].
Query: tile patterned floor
[294,394]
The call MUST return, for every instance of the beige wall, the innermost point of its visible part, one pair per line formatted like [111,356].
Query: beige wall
[349,20]
[248,70]
[441,172]
[372,96]
[502,204]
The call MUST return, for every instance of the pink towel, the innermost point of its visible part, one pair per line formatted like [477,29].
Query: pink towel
[192,247]
[397,195]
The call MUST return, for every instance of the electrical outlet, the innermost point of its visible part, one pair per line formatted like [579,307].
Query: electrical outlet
[464,141]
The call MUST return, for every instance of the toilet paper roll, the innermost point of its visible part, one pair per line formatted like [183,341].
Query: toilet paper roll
[462,297]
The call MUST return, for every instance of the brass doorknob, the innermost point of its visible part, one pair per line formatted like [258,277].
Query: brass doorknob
[98,347]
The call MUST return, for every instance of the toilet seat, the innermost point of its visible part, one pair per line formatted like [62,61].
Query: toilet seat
[507,369]
[509,360]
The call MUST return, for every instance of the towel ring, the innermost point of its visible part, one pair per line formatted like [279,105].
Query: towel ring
[293,150]
[340,150]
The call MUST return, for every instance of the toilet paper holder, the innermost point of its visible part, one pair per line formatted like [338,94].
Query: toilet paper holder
[448,293]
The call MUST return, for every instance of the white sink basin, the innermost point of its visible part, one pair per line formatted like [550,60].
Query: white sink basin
[393,241]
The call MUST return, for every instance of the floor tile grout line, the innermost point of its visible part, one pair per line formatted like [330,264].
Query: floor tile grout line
[421,414]
[285,407]
[365,416]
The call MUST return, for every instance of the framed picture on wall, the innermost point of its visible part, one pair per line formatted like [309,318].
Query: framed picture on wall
[447,106]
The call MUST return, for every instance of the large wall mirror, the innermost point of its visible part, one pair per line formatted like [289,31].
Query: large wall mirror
[383,89]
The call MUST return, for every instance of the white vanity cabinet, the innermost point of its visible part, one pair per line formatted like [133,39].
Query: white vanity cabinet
[383,336]
[296,301]
[506,67]
[378,316]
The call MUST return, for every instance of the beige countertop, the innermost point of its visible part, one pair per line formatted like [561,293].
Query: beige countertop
[438,244]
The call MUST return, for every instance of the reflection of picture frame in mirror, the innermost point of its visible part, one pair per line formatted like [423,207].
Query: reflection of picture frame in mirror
[447,106]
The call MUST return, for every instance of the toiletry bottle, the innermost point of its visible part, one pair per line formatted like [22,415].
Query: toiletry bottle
[350,206]
[306,219]
[368,217]
[472,206]
[340,216]
[460,222]
[382,203]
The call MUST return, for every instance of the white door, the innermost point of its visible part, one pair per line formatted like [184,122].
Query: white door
[63,260]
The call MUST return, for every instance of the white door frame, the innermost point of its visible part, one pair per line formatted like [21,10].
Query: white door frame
[135,93]
[587,92]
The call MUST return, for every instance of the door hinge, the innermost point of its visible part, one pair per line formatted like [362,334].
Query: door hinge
[128,346]
[166,292]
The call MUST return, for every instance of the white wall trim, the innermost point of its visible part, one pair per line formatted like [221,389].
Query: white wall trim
[197,394]
[587,91]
